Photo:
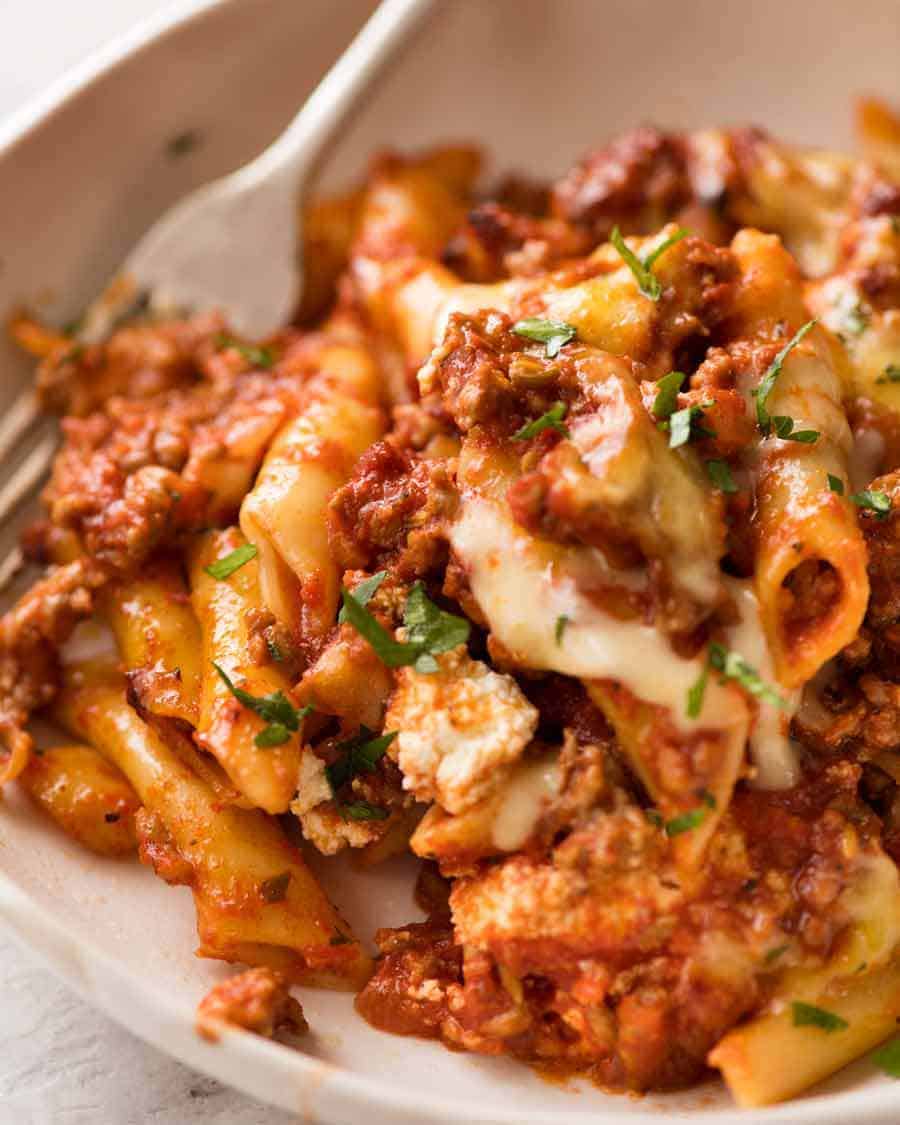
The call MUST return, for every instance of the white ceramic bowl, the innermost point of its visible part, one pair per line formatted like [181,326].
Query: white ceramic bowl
[84,171]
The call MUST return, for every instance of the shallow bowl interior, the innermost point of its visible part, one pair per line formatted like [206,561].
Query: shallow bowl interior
[537,82]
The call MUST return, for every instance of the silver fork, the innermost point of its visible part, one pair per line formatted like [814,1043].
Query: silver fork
[232,244]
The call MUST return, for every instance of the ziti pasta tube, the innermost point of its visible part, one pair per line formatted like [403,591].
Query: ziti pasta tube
[256,900]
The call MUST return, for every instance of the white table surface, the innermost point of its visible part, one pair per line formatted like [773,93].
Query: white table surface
[62,1063]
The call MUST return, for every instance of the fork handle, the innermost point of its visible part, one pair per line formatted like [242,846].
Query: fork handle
[296,150]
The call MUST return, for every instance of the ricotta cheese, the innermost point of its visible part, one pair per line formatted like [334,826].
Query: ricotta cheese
[457,729]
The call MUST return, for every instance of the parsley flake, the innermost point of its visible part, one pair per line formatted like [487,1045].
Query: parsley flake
[358,755]
[808,1015]
[891,374]
[277,710]
[696,692]
[275,889]
[256,356]
[429,630]
[73,354]
[835,484]
[224,568]
[275,734]
[667,389]
[552,333]
[720,474]
[551,420]
[775,953]
[762,392]
[365,591]
[642,268]
[873,500]
[856,318]
[183,143]
[362,810]
[561,622]
[682,425]
[887,1058]
[784,429]
[732,666]
[685,822]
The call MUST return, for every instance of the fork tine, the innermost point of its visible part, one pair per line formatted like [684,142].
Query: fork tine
[27,476]
[10,567]
[17,421]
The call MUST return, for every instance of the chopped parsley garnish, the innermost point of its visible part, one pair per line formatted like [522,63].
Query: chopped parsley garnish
[784,429]
[856,318]
[835,484]
[358,755]
[775,953]
[730,666]
[891,374]
[275,734]
[552,333]
[686,821]
[551,420]
[654,817]
[365,591]
[256,356]
[696,692]
[275,889]
[650,259]
[808,1015]
[667,389]
[362,810]
[874,500]
[561,622]
[277,710]
[682,425]
[762,392]
[720,474]
[642,268]
[73,354]
[224,568]
[429,631]
[183,143]
[887,1058]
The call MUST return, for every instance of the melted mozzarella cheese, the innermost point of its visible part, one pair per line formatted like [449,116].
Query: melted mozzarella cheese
[524,586]
[866,458]
[525,796]
[770,744]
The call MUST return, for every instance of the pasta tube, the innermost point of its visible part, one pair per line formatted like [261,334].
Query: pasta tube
[158,638]
[284,514]
[811,576]
[227,609]
[88,797]
[256,900]
[845,1007]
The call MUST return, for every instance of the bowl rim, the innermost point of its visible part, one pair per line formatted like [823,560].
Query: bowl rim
[99,63]
[151,1013]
